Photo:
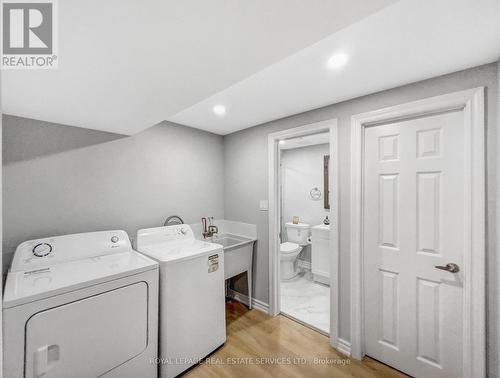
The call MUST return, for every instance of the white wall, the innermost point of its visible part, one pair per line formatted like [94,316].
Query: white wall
[302,171]
[246,181]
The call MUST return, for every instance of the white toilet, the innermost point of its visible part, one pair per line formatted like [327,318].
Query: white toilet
[297,235]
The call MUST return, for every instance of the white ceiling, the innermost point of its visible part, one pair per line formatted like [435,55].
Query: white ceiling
[125,65]
[409,41]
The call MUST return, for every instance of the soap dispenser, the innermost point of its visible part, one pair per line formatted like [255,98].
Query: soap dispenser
[326,221]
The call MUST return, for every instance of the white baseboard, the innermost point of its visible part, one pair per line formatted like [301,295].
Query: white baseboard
[256,304]
[321,279]
[303,264]
[344,347]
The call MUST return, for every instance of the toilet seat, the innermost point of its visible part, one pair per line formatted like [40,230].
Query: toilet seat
[287,247]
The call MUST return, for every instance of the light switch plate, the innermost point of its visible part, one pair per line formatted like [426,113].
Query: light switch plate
[264,205]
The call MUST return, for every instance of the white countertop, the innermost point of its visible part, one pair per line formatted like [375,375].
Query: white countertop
[322,227]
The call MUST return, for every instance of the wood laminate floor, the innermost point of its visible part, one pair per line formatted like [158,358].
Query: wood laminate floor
[261,346]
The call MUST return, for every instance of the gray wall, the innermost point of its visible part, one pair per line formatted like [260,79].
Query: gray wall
[27,139]
[59,179]
[494,259]
[246,179]
[1,238]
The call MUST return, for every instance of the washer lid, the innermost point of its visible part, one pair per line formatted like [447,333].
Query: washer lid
[178,250]
[43,282]
[288,247]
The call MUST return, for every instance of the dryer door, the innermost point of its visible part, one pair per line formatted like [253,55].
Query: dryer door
[89,337]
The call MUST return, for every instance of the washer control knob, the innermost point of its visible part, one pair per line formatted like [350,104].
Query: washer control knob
[114,239]
[183,231]
[42,249]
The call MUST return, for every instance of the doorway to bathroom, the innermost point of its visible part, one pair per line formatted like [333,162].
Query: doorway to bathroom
[303,232]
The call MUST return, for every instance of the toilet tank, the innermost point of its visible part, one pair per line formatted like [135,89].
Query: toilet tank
[298,233]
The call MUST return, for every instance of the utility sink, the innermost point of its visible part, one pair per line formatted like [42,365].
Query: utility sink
[238,251]
[238,256]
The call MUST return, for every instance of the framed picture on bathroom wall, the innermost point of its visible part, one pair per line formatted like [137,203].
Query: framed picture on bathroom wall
[326,189]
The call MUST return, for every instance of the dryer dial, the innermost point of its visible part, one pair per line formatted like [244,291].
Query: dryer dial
[42,249]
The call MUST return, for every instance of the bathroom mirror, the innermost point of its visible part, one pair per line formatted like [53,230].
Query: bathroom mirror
[326,189]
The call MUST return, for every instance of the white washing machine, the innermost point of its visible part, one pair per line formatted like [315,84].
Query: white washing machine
[83,305]
[192,303]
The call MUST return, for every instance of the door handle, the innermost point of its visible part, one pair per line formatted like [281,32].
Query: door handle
[450,267]
[45,358]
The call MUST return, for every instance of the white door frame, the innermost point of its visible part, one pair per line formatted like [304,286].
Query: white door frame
[472,103]
[274,217]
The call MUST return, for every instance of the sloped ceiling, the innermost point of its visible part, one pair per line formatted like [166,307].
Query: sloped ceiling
[125,65]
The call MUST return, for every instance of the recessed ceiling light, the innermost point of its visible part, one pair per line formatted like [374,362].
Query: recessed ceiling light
[337,61]
[219,110]
[282,142]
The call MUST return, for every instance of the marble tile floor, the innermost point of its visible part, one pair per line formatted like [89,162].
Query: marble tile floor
[307,301]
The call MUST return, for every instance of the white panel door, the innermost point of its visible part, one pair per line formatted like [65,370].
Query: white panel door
[413,213]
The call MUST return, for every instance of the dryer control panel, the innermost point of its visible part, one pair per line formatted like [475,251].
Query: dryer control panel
[39,253]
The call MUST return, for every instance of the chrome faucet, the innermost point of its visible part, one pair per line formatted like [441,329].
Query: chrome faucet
[209,230]
[172,220]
